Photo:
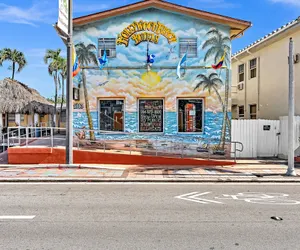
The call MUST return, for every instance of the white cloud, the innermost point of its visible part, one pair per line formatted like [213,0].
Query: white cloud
[123,59]
[82,38]
[288,2]
[110,31]
[37,13]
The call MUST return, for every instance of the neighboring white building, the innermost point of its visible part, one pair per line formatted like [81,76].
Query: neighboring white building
[260,76]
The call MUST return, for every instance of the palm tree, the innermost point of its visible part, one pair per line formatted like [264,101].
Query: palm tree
[86,55]
[14,56]
[212,82]
[1,52]
[218,45]
[53,59]
[63,74]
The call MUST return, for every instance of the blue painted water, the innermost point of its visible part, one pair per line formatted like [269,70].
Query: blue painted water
[212,127]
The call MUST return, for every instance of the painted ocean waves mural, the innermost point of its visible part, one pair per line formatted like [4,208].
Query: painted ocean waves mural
[144,64]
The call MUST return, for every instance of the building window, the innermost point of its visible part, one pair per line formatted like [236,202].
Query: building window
[253,68]
[189,46]
[241,72]
[234,111]
[241,112]
[190,115]
[11,117]
[111,115]
[22,117]
[151,115]
[108,45]
[253,111]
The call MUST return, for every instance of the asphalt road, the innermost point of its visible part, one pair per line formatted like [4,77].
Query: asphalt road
[148,216]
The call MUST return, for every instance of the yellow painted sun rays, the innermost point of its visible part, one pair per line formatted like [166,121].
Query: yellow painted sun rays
[151,78]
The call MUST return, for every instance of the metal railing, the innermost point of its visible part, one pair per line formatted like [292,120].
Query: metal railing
[124,142]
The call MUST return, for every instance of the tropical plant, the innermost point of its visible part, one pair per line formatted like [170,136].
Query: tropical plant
[53,59]
[86,55]
[63,74]
[59,100]
[1,52]
[15,57]
[217,46]
[212,82]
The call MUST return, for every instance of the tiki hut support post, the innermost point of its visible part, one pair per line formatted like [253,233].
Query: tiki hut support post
[18,119]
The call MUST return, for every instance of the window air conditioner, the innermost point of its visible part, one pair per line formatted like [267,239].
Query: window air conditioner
[240,86]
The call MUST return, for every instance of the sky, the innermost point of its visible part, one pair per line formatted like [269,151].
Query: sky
[27,26]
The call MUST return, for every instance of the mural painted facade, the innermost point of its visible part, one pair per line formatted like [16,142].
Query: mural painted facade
[129,95]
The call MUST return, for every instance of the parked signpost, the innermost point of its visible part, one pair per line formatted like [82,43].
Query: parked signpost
[65,30]
[291,132]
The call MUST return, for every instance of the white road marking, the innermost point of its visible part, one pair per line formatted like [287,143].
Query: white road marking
[195,197]
[17,217]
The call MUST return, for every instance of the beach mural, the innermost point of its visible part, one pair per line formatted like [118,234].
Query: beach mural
[145,64]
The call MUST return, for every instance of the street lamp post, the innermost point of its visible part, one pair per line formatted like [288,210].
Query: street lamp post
[291,131]
[69,125]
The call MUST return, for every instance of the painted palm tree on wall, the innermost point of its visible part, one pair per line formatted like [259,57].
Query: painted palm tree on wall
[217,45]
[53,59]
[17,58]
[86,55]
[212,82]
[209,83]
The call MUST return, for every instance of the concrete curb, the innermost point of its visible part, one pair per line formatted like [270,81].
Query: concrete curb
[135,180]
[61,166]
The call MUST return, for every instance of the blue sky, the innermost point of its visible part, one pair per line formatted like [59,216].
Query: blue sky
[27,26]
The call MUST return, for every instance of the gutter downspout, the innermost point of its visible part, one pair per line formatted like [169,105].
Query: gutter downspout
[245,87]
[258,87]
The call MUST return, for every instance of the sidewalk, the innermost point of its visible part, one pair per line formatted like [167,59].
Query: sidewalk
[244,171]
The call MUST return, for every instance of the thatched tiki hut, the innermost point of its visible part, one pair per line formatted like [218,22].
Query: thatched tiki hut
[23,106]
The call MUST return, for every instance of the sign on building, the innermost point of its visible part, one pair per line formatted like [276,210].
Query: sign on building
[63,8]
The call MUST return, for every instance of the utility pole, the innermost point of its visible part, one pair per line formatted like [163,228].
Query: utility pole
[69,127]
[291,131]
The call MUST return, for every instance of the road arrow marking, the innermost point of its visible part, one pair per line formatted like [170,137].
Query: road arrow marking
[195,197]
[17,217]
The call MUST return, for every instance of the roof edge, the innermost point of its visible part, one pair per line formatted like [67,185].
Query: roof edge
[239,24]
[268,37]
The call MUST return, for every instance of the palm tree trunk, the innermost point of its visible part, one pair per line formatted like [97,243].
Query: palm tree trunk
[87,107]
[62,99]
[225,114]
[55,98]
[219,97]
[13,70]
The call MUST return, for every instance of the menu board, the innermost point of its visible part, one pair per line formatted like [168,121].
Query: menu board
[151,116]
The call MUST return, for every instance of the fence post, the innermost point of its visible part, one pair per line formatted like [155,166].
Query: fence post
[26,131]
[8,137]
[19,135]
[51,136]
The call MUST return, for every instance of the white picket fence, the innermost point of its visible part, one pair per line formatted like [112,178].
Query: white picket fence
[264,138]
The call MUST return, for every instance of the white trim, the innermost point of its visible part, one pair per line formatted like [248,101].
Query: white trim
[17,217]
[138,114]
[203,118]
[112,99]
[267,37]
